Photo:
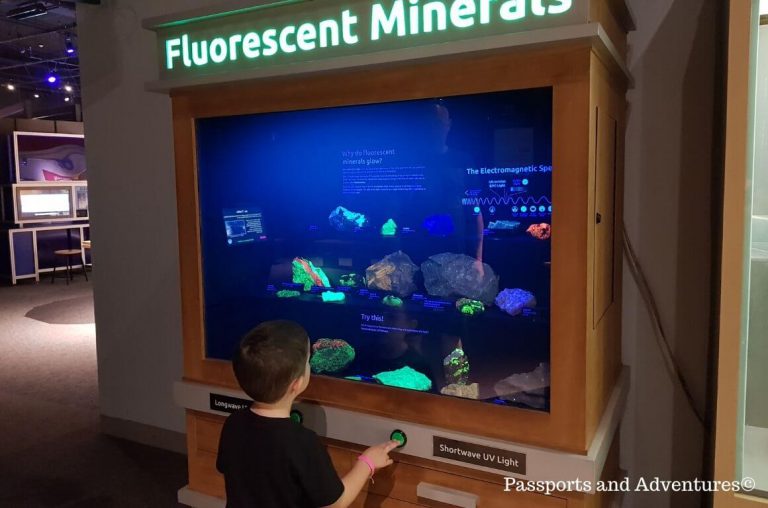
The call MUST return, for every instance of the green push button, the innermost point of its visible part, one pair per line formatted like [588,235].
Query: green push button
[400,437]
[297,417]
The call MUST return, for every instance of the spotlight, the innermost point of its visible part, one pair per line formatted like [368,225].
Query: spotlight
[27,11]
[67,99]
[41,45]
[69,45]
[11,87]
[52,78]
[68,88]
[37,96]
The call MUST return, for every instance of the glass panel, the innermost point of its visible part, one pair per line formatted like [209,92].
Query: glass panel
[411,239]
[755,440]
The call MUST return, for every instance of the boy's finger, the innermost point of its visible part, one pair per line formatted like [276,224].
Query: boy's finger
[391,446]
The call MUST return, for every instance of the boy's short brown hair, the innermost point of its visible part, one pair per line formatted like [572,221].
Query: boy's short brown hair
[270,357]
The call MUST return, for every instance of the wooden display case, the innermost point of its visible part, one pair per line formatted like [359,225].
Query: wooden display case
[589,85]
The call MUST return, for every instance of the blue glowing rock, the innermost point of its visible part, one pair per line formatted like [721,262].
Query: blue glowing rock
[449,274]
[439,225]
[513,301]
[345,220]
[507,225]
[394,273]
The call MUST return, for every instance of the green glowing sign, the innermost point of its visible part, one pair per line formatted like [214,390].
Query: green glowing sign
[293,32]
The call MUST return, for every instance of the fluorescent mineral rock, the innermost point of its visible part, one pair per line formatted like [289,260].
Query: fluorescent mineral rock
[345,220]
[351,280]
[393,301]
[508,225]
[405,378]
[304,272]
[330,355]
[537,379]
[456,367]
[466,391]
[470,307]
[541,231]
[513,301]
[449,274]
[285,293]
[333,296]
[393,273]
[389,228]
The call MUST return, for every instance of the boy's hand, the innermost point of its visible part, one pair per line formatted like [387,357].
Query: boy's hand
[379,454]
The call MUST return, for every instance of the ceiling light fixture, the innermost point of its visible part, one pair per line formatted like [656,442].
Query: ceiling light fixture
[52,78]
[68,88]
[11,87]
[69,45]
[67,99]
[37,96]
[27,11]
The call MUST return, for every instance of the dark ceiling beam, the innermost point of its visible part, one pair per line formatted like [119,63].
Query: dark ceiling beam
[64,28]
[58,61]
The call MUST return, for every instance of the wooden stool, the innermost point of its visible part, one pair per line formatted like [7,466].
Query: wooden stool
[86,247]
[68,253]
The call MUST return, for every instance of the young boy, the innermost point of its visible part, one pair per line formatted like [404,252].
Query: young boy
[268,461]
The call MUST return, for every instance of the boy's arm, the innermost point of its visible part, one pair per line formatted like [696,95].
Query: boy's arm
[354,481]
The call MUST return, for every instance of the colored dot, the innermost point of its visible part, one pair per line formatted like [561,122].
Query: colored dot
[514,209]
[523,209]
[477,209]
[550,208]
[541,209]
[525,181]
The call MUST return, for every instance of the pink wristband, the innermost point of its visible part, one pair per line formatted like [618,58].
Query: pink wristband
[368,462]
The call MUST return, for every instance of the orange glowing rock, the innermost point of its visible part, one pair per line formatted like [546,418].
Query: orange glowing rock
[540,231]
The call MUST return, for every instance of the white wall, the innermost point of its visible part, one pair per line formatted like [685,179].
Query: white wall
[668,206]
[667,213]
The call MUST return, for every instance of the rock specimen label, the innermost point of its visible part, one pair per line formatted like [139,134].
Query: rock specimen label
[486,456]
[227,404]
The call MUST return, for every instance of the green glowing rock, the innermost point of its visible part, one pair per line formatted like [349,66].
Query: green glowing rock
[331,355]
[333,296]
[456,367]
[393,301]
[285,293]
[405,378]
[307,274]
[352,280]
[470,307]
[389,228]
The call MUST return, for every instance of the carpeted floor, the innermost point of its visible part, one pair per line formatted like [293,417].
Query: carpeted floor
[51,451]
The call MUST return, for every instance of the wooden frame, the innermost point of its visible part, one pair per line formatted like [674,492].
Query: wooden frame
[737,161]
[585,352]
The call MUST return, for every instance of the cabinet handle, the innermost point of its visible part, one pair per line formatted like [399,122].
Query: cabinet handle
[446,496]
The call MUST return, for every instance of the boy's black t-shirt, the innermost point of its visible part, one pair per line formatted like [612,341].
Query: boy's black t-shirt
[275,463]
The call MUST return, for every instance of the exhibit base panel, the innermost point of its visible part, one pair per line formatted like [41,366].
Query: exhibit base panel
[420,476]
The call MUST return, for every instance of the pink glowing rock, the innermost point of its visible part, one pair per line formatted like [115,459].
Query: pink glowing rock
[540,231]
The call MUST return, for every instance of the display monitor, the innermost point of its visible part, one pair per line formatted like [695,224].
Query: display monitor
[411,239]
[41,204]
[49,157]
